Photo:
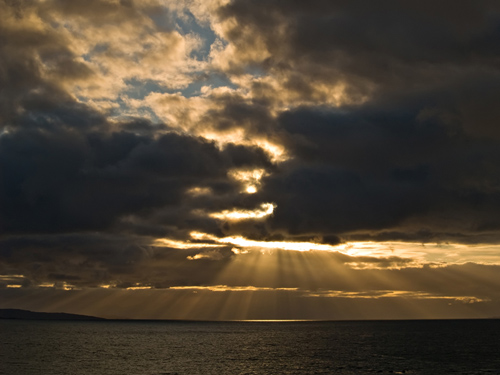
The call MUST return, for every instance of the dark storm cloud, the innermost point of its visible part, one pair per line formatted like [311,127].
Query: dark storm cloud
[82,200]
[83,196]
[414,154]
[236,112]
[366,168]
[382,46]
[93,259]
[65,180]
[34,61]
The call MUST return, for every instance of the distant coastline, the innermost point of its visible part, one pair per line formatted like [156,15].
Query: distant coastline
[19,314]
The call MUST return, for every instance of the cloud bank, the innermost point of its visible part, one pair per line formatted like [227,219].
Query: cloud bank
[158,143]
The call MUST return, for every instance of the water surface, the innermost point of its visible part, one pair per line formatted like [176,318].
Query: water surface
[187,348]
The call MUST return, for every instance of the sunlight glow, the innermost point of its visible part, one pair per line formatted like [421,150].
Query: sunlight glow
[273,320]
[8,277]
[226,288]
[279,245]
[251,189]
[196,191]
[276,152]
[46,285]
[107,286]
[266,209]
[238,251]
[249,178]
[393,294]
[435,253]
[138,287]
[210,255]
[165,242]
[398,254]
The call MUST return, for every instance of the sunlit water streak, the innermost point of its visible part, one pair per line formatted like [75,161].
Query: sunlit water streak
[154,348]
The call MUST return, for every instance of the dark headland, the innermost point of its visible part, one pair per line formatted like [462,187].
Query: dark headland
[32,315]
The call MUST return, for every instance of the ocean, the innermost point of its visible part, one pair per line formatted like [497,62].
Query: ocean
[189,348]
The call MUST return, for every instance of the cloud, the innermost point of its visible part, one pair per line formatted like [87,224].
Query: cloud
[61,180]
[92,260]
[347,293]
[84,195]
[94,52]
[369,168]
[126,128]
[208,255]
[406,45]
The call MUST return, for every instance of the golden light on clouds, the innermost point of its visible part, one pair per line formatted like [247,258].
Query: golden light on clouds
[276,152]
[265,209]
[251,189]
[107,286]
[392,294]
[268,245]
[138,287]
[210,255]
[165,242]
[435,253]
[322,293]
[314,164]
[249,178]
[46,285]
[197,191]
[226,288]
[414,254]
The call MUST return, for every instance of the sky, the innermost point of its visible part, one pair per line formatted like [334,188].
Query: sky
[250,159]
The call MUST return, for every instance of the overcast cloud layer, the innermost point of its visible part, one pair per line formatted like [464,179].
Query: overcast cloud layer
[133,134]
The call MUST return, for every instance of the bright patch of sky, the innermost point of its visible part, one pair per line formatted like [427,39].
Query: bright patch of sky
[139,89]
[188,24]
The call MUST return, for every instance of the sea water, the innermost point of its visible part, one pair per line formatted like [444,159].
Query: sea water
[188,348]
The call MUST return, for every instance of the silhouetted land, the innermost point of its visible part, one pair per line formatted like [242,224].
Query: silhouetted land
[32,315]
